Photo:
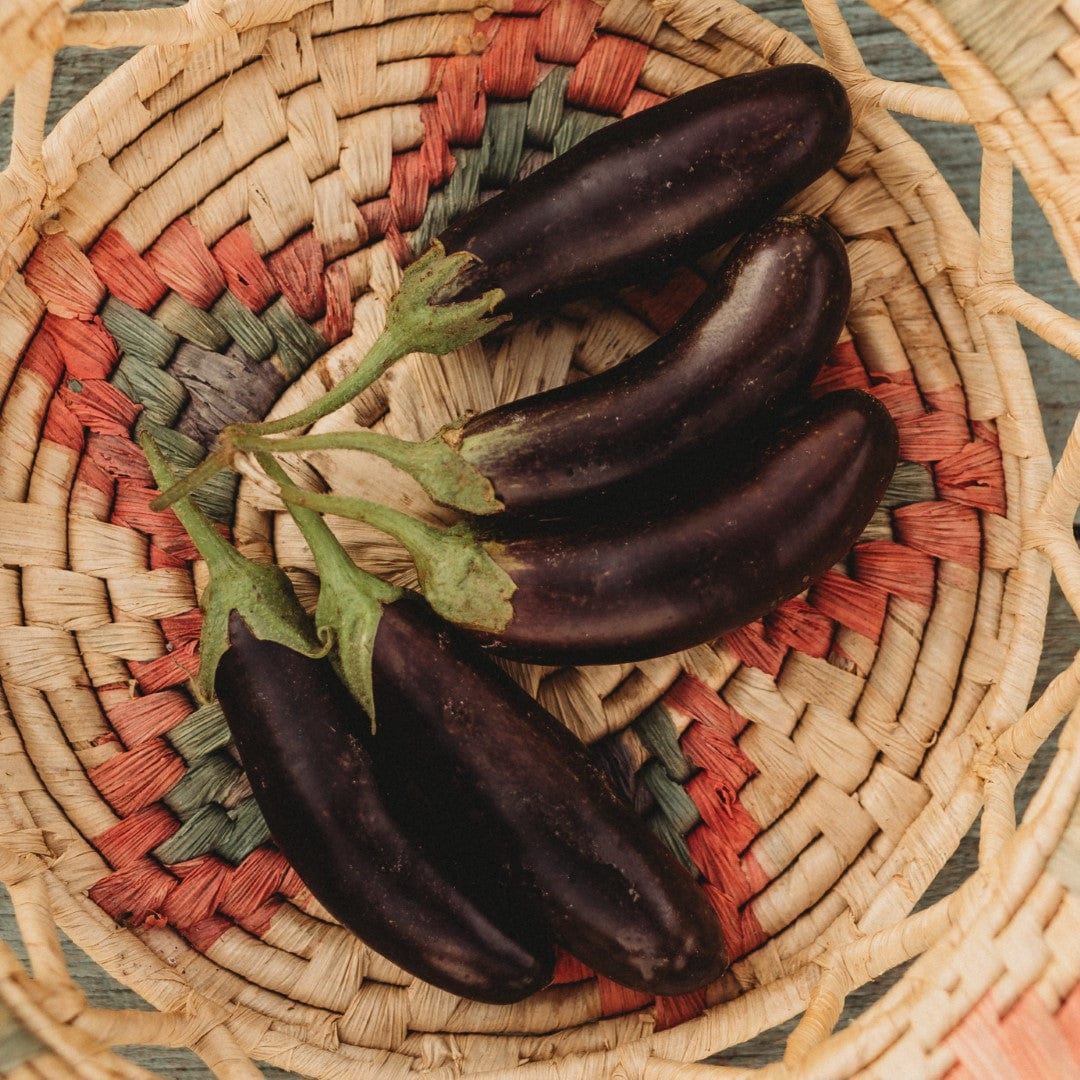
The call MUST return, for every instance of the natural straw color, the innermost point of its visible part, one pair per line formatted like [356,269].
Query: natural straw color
[214,233]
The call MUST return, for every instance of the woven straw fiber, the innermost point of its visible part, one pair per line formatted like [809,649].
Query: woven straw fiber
[213,233]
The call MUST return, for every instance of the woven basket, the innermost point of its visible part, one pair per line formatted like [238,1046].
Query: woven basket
[213,233]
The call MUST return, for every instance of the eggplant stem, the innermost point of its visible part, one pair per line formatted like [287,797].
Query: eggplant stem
[457,575]
[173,493]
[261,593]
[439,470]
[331,559]
[417,320]
[350,599]
[220,556]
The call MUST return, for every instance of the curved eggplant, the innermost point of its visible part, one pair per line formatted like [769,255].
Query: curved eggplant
[668,183]
[301,738]
[711,555]
[613,894]
[752,341]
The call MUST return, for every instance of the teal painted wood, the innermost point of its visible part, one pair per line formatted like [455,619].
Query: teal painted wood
[1039,268]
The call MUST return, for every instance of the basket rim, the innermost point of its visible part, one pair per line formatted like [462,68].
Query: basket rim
[163,989]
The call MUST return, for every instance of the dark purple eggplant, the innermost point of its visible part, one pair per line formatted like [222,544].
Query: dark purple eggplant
[663,185]
[723,547]
[753,341]
[625,205]
[614,895]
[303,740]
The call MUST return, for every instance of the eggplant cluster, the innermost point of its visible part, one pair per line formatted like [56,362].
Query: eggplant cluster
[466,834]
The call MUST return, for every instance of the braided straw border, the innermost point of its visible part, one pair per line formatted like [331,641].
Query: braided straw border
[994,747]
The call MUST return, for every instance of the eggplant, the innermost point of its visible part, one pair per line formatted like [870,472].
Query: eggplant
[659,187]
[625,205]
[613,894]
[728,542]
[304,744]
[753,341]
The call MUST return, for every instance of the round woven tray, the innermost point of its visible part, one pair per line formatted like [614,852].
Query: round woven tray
[213,233]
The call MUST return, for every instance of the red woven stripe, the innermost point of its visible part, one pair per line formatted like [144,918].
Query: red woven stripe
[175,668]
[672,1011]
[182,260]
[261,876]
[182,629]
[1025,1043]
[64,278]
[854,604]
[90,474]
[1068,1019]
[796,624]
[616,1000]
[143,718]
[605,76]
[508,64]
[973,476]
[569,969]
[754,647]
[901,398]
[640,100]
[950,399]
[132,510]
[203,881]
[245,272]
[134,779]
[337,325]
[99,406]
[408,190]
[128,276]
[42,357]
[297,268]
[62,426]
[134,836]
[897,569]
[694,700]
[742,931]
[134,895]
[932,436]
[943,529]
[86,348]
[843,370]
[460,96]
[436,157]
[119,457]
[565,30]
[203,936]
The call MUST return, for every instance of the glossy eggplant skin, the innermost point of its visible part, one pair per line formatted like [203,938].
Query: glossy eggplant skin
[615,897]
[754,340]
[667,183]
[301,739]
[722,548]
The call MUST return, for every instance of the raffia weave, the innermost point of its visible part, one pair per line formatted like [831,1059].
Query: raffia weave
[212,234]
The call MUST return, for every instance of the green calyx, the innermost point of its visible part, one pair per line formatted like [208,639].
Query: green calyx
[424,314]
[260,592]
[457,575]
[421,317]
[350,600]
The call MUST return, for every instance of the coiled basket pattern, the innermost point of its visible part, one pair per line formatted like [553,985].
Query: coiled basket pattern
[213,234]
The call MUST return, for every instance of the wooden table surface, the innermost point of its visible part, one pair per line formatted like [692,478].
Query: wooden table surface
[1039,268]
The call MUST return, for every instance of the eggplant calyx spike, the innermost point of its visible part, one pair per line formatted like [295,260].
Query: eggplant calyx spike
[260,592]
